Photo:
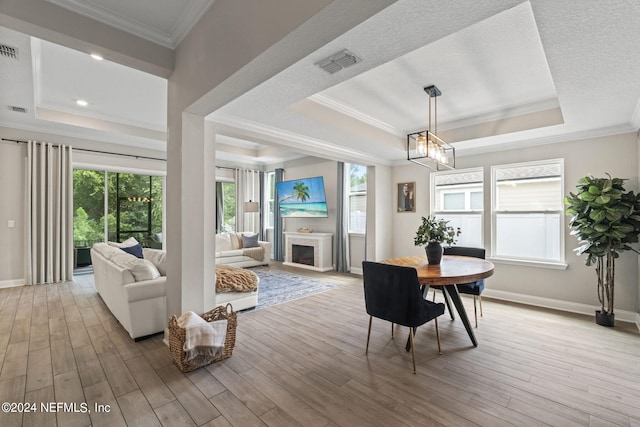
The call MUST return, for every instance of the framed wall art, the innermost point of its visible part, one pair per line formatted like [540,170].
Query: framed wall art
[406,196]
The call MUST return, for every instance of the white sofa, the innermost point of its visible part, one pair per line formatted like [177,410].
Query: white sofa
[133,289]
[231,251]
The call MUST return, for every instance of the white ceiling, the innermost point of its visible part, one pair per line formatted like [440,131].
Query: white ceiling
[537,72]
[126,106]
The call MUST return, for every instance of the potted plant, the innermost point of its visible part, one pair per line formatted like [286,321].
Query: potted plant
[606,219]
[432,233]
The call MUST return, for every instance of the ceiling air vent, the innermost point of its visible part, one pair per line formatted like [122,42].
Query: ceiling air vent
[17,109]
[8,51]
[338,61]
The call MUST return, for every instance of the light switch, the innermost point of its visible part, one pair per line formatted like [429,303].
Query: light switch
[11,223]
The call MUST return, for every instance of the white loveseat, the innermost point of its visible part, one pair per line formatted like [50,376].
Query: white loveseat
[133,289]
[230,250]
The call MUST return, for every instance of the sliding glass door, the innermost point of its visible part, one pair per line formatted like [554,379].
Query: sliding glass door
[133,203]
[135,208]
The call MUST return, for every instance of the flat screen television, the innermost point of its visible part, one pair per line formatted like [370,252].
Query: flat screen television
[302,198]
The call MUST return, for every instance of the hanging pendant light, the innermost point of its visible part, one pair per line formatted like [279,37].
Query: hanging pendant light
[425,147]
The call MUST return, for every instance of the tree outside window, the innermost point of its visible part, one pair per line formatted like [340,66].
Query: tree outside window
[134,207]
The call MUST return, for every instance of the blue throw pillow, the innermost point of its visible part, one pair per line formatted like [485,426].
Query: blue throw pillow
[135,250]
[250,240]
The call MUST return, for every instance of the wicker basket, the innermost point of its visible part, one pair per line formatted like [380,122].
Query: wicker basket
[177,337]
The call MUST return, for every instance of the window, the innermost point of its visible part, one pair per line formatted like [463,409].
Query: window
[270,191]
[357,196]
[134,207]
[228,206]
[528,212]
[457,196]
[88,207]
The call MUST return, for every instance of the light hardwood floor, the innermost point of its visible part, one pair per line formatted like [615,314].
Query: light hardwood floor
[303,364]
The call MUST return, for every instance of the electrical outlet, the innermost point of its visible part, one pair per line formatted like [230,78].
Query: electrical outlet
[11,223]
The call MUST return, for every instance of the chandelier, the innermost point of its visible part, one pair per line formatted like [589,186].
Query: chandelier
[425,147]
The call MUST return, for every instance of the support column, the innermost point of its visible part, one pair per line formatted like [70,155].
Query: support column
[191,207]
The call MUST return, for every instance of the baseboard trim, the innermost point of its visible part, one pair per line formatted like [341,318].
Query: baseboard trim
[572,307]
[356,270]
[11,283]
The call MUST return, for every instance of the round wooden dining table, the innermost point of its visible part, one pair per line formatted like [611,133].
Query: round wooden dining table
[452,270]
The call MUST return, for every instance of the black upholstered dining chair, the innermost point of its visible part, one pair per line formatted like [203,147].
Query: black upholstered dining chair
[473,288]
[393,293]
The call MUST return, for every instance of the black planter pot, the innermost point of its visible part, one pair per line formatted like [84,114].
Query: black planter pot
[434,252]
[605,319]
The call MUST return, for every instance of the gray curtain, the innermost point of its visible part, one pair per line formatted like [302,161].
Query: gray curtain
[49,213]
[278,254]
[341,241]
[219,207]
[263,234]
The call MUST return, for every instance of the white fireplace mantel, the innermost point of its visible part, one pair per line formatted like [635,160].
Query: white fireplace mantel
[322,249]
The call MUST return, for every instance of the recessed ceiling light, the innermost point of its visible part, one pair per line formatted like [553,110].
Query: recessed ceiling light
[82,102]
[97,56]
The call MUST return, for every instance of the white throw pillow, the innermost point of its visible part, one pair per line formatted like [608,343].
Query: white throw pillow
[223,242]
[110,251]
[126,244]
[158,258]
[236,240]
[143,269]
[122,259]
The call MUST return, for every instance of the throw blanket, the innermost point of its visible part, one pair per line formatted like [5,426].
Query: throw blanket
[203,339]
[234,279]
[255,253]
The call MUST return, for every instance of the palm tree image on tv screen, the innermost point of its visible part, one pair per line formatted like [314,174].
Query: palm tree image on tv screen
[302,198]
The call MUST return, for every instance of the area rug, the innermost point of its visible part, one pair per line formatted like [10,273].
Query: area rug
[277,287]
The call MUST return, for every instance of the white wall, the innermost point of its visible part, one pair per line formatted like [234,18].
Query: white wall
[380,234]
[405,223]
[357,244]
[12,190]
[617,155]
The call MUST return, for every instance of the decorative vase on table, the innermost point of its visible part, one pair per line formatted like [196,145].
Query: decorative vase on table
[432,233]
[434,252]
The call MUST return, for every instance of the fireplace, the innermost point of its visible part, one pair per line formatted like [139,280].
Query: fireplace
[302,254]
[308,250]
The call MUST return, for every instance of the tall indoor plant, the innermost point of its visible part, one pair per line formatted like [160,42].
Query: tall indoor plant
[432,233]
[606,219]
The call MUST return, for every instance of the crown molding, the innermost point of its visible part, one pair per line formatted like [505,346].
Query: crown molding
[189,18]
[502,114]
[342,108]
[480,147]
[311,146]
[190,15]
